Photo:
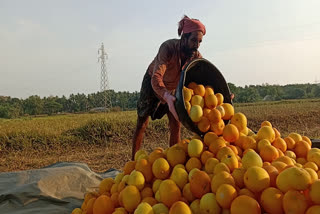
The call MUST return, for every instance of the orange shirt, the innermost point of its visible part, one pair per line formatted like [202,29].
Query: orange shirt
[166,67]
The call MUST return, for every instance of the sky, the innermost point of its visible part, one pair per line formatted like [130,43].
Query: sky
[50,48]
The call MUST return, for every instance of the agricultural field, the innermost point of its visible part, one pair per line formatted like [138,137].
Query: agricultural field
[103,140]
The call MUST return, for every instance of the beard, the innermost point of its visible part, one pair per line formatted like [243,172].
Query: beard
[189,52]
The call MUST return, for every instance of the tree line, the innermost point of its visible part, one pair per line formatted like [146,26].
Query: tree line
[75,103]
[266,92]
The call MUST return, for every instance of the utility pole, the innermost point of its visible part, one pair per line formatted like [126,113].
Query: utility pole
[104,82]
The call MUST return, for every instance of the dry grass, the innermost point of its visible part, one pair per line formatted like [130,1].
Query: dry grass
[31,143]
[103,141]
[302,116]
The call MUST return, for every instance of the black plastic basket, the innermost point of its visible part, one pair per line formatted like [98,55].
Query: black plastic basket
[200,71]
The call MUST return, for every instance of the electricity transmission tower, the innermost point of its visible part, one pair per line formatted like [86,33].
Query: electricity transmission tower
[104,82]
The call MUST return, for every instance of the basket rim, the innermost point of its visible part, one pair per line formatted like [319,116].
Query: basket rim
[190,125]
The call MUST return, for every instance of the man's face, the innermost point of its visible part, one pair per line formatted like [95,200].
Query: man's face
[191,44]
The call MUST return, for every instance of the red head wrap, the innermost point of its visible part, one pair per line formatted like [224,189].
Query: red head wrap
[187,25]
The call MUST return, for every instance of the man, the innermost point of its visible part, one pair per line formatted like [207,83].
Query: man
[162,78]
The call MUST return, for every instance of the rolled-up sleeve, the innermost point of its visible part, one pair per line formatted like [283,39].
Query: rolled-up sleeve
[161,63]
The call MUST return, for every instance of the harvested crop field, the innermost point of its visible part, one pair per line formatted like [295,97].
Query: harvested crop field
[103,140]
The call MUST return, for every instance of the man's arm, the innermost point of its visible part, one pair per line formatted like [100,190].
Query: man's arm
[162,60]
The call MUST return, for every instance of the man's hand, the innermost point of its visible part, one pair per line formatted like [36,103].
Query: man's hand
[170,101]
[232,96]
